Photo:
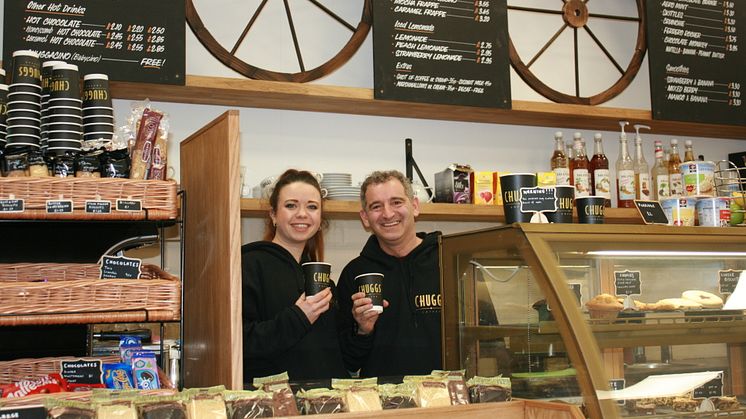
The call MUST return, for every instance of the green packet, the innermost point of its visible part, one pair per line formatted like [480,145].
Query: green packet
[232,395]
[567,372]
[271,380]
[60,408]
[348,383]
[489,381]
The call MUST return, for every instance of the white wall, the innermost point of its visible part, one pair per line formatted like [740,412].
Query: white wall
[275,140]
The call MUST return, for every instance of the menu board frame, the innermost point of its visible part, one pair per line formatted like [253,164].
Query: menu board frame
[128,40]
[693,78]
[434,52]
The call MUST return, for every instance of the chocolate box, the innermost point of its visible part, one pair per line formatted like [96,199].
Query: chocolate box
[453,185]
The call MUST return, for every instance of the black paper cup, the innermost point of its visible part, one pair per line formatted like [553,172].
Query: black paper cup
[65,82]
[98,119]
[3,102]
[62,110]
[24,105]
[96,91]
[26,68]
[565,204]
[511,185]
[98,111]
[372,285]
[64,118]
[24,113]
[63,126]
[22,120]
[24,130]
[24,97]
[590,209]
[24,88]
[92,136]
[318,277]
[46,75]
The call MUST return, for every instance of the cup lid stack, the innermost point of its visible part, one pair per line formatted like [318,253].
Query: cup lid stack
[64,110]
[24,103]
[98,113]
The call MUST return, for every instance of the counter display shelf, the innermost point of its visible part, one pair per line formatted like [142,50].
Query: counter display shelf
[538,280]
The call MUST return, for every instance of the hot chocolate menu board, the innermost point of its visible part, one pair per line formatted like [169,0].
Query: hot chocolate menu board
[696,60]
[129,40]
[442,51]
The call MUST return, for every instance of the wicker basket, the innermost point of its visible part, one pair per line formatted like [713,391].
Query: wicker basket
[158,197]
[73,293]
[30,368]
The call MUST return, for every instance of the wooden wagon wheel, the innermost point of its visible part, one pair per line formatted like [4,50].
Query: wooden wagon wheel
[575,14]
[228,57]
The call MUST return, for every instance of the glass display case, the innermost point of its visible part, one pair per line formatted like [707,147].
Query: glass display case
[627,320]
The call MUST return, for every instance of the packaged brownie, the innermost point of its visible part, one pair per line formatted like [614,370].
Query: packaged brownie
[489,389]
[282,395]
[397,396]
[115,163]
[37,166]
[321,400]
[205,403]
[88,163]
[359,395]
[68,409]
[456,384]
[430,391]
[249,404]
[16,165]
[115,409]
[160,407]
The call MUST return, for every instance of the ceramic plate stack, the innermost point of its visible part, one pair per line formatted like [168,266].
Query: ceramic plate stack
[339,187]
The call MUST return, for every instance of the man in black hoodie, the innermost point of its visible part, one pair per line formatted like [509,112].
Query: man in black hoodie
[405,338]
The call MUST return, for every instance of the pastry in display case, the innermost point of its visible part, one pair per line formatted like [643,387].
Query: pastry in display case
[625,320]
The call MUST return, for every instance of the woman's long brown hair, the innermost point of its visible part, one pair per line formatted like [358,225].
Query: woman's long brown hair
[314,249]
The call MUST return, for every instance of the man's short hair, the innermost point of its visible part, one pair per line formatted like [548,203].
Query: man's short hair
[382,176]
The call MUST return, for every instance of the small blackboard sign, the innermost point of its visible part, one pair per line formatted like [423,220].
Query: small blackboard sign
[82,371]
[129,205]
[11,205]
[617,384]
[627,282]
[538,199]
[728,279]
[60,206]
[129,40]
[695,58]
[447,52]
[120,267]
[712,388]
[23,412]
[651,212]
[98,207]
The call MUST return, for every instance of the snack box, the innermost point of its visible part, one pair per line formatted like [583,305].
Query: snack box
[453,185]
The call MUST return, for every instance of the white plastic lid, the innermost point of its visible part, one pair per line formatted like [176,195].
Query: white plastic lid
[3,87]
[96,76]
[25,52]
[65,66]
[52,63]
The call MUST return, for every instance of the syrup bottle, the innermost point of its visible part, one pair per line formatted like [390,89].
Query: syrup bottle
[642,170]
[579,175]
[600,175]
[675,180]
[625,173]
[559,162]
[659,174]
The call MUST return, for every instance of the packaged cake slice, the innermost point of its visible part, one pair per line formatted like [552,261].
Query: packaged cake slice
[321,400]
[205,403]
[489,389]
[360,395]
[249,404]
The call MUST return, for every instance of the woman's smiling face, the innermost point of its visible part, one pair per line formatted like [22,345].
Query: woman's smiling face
[298,215]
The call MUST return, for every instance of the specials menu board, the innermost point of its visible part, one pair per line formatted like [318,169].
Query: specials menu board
[130,40]
[442,51]
[696,60]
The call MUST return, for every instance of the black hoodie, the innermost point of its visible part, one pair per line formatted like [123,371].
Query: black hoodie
[277,335]
[406,338]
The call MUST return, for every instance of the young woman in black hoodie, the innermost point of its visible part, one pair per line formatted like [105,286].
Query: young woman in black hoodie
[283,329]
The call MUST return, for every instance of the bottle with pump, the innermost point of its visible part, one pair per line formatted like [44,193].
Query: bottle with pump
[675,180]
[579,175]
[599,168]
[560,162]
[642,170]
[688,151]
[625,173]
[659,174]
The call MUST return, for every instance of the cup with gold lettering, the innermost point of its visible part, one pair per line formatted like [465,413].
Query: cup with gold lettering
[318,277]
[590,209]
[511,185]
[565,204]
[372,285]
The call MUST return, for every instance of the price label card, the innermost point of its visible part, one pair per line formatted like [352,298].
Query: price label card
[60,206]
[130,205]
[23,412]
[712,388]
[11,205]
[627,282]
[82,371]
[538,199]
[98,207]
[651,212]
[728,279]
[120,267]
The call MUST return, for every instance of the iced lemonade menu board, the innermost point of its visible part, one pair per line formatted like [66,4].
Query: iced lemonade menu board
[130,40]
[696,60]
[442,51]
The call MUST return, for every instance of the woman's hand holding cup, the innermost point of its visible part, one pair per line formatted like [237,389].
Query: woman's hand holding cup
[314,305]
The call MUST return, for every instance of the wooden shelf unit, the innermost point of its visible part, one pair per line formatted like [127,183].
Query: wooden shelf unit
[348,210]
[359,101]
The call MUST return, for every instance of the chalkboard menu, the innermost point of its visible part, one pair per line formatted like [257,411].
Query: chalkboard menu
[728,280]
[696,61]
[443,51]
[627,282]
[130,40]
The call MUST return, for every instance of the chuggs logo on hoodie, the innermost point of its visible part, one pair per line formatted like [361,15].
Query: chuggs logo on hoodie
[427,302]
